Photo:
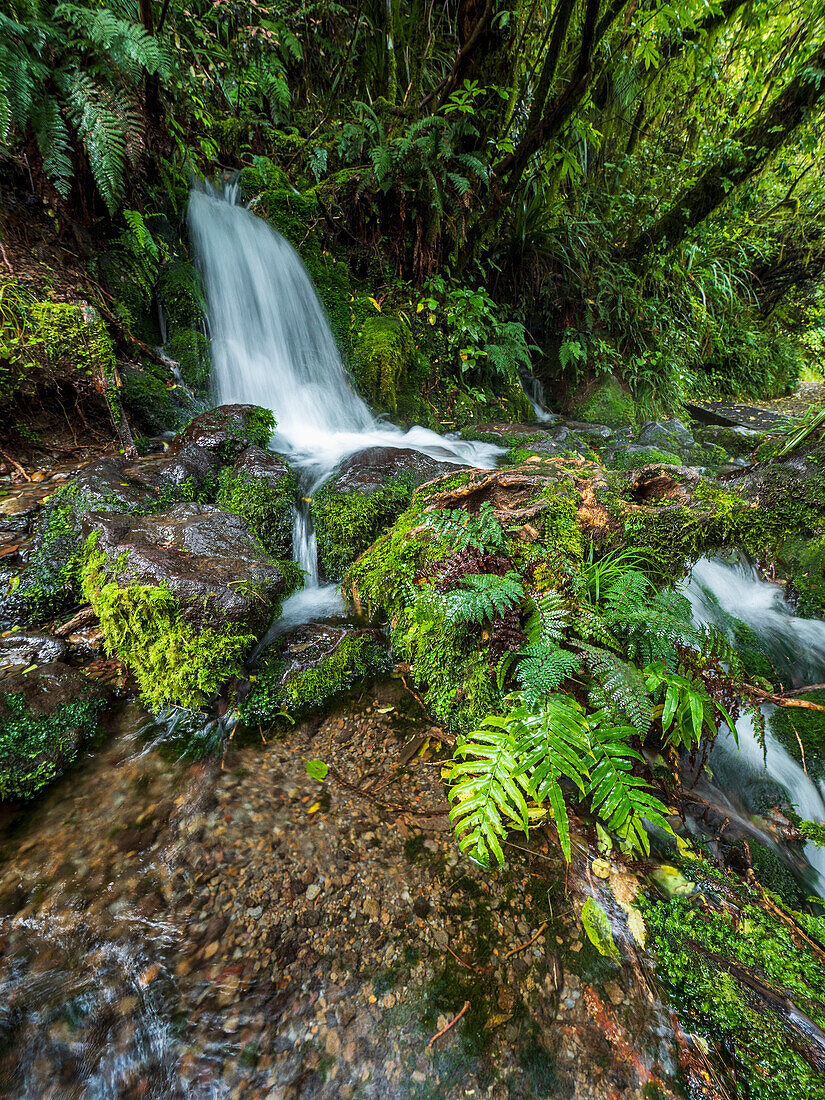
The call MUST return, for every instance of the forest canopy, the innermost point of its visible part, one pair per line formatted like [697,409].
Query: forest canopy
[639,183]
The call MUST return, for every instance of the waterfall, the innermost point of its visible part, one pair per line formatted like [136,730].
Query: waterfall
[272,345]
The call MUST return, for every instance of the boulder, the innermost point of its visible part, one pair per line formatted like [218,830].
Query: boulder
[181,597]
[206,557]
[213,440]
[261,487]
[307,667]
[46,716]
[30,648]
[605,401]
[366,494]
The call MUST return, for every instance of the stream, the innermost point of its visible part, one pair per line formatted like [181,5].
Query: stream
[231,929]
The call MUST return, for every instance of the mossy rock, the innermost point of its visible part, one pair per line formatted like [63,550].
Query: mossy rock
[606,402]
[190,349]
[181,597]
[46,716]
[368,492]
[727,967]
[792,725]
[633,457]
[153,400]
[384,355]
[550,511]
[45,345]
[261,487]
[308,668]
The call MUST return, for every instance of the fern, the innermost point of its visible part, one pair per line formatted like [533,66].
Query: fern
[532,752]
[621,799]
[623,685]
[543,668]
[52,137]
[547,618]
[483,596]
[487,791]
[465,531]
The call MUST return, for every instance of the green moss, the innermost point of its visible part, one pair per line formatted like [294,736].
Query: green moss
[260,424]
[607,404]
[792,725]
[629,460]
[36,749]
[698,950]
[775,876]
[264,504]
[149,396]
[50,582]
[347,523]
[353,658]
[143,625]
[384,355]
[191,350]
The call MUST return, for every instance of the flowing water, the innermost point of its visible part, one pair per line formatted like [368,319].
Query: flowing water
[223,930]
[272,346]
[747,776]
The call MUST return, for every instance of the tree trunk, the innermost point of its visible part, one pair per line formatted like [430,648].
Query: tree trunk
[753,146]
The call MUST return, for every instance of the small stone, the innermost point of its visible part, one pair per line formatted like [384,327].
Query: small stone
[313,891]
[389,1000]
[419,1076]
[211,950]
[332,1044]
[614,992]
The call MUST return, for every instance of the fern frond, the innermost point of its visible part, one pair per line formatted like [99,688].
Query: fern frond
[52,137]
[621,799]
[483,596]
[487,794]
[547,618]
[622,684]
[543,668]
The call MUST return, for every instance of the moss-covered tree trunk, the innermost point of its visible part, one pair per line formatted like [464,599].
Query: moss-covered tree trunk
[749,150]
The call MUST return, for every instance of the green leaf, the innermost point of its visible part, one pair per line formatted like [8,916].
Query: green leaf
[597,926]
[317,769]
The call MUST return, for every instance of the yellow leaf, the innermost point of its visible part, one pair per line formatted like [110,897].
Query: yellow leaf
[314,808]
[431,318]
[376,304]
[600,868]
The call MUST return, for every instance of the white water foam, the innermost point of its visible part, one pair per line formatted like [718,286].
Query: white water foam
[272,346]
[717,589]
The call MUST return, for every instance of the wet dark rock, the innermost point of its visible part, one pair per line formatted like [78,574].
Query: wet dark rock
[114,485]
[223,432]
[736,441]
[367,493]
[370,469]
[45,717]
[310,665]
[214,439]
[208,558]
[256,462]
[30,648]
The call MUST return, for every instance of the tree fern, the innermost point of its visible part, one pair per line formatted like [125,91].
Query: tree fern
[52,137]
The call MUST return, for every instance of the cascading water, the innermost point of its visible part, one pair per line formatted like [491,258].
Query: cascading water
[272,346]
[719,591]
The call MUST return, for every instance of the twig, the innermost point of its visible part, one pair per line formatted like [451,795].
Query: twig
[447,1027]
[458,959]
[522,946]
[16,465]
